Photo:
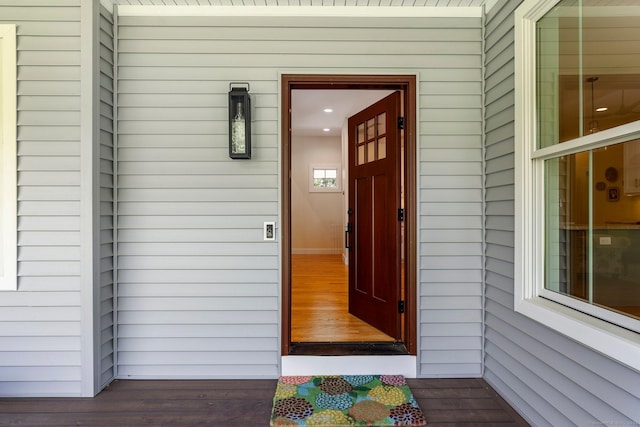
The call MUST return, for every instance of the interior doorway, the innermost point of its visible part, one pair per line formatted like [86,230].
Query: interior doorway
[325,270]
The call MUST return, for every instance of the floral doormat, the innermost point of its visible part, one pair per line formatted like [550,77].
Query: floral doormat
[345,400]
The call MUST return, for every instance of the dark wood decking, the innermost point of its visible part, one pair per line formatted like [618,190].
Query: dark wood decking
[242,403]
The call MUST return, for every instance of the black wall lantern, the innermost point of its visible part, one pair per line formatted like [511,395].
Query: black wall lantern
[239,121]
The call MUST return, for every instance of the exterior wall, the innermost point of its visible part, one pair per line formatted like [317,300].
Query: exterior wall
[198,288]
[199,292]
[40,323]
[550,379]
[106,168]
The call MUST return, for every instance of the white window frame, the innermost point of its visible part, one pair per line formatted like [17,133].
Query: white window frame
[8,182]
[563,314]
[336,189]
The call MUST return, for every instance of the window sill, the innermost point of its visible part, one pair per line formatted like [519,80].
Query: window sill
[613,341]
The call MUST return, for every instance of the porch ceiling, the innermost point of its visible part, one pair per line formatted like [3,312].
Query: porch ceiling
[319,3]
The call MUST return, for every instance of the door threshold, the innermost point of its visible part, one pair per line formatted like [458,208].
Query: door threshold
[402,364]
[348,349]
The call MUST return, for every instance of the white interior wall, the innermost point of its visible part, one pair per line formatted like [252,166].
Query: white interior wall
[316,222]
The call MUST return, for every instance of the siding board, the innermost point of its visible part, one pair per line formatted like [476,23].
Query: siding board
[257,369]
[310,61]
[53,12]
[299,23]
[194,317]
[198,344]
[431,168]
[550,379]
[190,219]
[203,276]
[321,47]
[43,388]
[444,74]
[198,181]
[247,331]
[39,373]
[42,344]
[58,73]
[49,43]
[453,222]
[451,249]
[194,248]
[288,33]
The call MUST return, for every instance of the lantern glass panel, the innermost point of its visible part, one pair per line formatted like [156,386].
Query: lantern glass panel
[239,124]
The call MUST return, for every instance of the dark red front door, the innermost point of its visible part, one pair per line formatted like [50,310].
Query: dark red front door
[374,225]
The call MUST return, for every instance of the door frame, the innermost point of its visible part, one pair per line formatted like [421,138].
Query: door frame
[405,83]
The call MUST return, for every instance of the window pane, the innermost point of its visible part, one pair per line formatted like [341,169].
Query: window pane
[562,215]
[331,173]
[382,148]
[593,227]
[319,173]
[360,133]
[361,159]
[588,70]
[382,123]
[371,128]
[371,151]
[325,183]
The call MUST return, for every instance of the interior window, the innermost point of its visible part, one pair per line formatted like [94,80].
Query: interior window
[324,178]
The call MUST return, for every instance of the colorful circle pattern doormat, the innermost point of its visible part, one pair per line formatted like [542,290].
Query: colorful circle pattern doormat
[345,400]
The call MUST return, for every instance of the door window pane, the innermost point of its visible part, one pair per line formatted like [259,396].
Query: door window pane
[360,135]
[382,148]
[382,124]
[371,128]
[371,151]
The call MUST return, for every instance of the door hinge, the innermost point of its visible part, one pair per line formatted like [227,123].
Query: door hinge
[400,122]
[400,214]
[401,306]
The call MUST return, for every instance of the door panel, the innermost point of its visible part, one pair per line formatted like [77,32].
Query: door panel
[362,281]
[374,200]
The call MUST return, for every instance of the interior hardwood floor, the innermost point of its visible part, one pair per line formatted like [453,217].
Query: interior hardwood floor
[319,303]
[238,403]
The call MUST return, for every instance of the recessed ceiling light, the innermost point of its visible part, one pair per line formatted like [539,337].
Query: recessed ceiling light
[326,130]
[328,110]
[601,109]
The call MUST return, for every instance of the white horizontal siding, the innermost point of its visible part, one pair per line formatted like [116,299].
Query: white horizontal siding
[40,322]
[551,380]
[106,336]
[450,175]
[197,284]
[451,233]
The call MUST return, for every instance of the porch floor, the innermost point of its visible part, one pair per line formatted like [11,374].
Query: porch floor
[238,403]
